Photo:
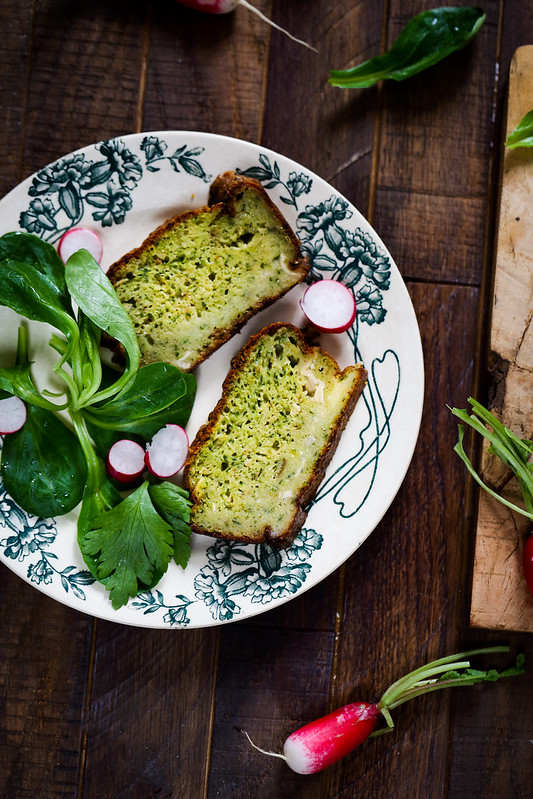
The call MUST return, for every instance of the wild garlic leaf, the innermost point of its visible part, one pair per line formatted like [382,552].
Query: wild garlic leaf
[174,505]
[522,135]
[426,39]
[131,544]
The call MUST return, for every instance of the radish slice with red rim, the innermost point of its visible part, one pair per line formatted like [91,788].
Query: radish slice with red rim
[80,238]
[166,453]
[329,306]
[12,415]
[125,461]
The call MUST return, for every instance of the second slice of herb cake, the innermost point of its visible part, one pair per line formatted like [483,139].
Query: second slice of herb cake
[258,461]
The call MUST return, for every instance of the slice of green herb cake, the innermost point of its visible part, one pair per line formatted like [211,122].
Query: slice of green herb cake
[200,276]
[258,461]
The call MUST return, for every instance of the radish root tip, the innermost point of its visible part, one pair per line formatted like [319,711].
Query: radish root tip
[263,751]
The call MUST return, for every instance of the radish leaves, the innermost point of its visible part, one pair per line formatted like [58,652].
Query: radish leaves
[426,39]
[512,450]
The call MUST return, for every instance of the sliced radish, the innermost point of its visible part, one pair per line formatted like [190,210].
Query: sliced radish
[12,415]
[125,461]
[329,305]
[166,453]
[80,238]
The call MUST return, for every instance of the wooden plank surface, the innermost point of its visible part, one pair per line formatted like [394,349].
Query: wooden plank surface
[500,598]
[92,709]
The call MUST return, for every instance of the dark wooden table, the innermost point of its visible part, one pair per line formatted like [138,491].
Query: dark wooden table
[95,709]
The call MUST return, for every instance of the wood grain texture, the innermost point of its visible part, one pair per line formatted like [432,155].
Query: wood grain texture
[327,129]
[45,651]
[206,72]
[265,686]
[500,598]
[86,69]
[434,165]
[15,51]
[149,712]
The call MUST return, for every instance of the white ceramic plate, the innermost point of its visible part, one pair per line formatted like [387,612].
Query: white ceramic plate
[124,188]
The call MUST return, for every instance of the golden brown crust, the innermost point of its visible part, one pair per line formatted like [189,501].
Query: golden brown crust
[222,196]
[308,491]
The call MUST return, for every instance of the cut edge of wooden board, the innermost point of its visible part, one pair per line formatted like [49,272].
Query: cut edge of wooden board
[500,599]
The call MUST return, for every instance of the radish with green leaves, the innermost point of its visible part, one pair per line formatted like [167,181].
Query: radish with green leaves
[325,741]
[12,415]
[225,6]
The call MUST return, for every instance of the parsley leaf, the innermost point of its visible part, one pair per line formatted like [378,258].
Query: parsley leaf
[173,504]
[132,546]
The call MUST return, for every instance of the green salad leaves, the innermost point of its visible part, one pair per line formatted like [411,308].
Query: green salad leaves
[426,39]
[522,135]
[55,462]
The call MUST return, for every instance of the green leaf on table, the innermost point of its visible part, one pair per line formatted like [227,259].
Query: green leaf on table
[42,465]
[131,545]
[426,39]
[522,135]
[174,505]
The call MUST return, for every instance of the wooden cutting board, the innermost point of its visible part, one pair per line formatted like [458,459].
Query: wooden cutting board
[500,598]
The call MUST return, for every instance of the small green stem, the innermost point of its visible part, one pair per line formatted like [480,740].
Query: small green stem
[94,468]
[22,356]
[422,680]
[513,451]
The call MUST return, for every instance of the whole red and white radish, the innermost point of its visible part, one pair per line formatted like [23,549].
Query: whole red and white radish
[323,742]
[167,451]
[80,238]
[329,306]
[225,6]
[125,461]
[12,415]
